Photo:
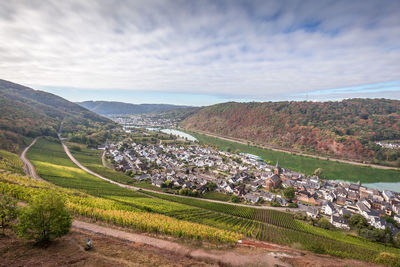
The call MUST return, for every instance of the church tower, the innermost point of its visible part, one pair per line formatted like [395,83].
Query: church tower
[277,170]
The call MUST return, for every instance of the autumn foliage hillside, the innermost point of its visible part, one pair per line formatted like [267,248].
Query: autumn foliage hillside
[27,113]
[345,129]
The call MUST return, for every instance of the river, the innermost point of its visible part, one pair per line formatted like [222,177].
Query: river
[166,131]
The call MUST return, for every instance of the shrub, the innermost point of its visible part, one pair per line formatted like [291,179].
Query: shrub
[44,219]
[8,211]
[387,259]
[289,193]
[324,223]
[235,199]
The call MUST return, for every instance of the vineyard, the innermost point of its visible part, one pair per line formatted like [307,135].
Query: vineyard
[23,188]
[159,213]
[11,162]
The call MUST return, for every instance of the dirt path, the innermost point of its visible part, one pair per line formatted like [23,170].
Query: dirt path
[29,168]
[231,257]
[103,159]
[244,142]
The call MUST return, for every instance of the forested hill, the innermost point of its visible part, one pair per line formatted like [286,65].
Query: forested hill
[346,129]
[120,108]
[25,112]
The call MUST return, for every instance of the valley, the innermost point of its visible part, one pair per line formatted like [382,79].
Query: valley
[205,192]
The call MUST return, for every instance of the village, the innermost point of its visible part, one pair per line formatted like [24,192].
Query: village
[148,120]
[192,169]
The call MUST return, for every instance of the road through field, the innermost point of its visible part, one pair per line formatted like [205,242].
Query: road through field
[29,168]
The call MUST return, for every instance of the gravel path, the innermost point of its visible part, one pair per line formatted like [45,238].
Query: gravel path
[231,256]
[29,168]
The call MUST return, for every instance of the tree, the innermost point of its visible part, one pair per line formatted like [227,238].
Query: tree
[44,219]
[235,199]
[358,221]
[396,239]
[289,193]
[212,186]
[318,172]
[8,211]
[324,223]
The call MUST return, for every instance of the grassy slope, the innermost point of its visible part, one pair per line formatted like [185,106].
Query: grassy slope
[332,170]
[11,162]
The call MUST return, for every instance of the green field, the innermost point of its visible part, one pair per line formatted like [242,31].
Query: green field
[331,170]
[267,225]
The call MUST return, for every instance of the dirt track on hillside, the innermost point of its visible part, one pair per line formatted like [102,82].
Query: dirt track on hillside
[29,168]
[231,256]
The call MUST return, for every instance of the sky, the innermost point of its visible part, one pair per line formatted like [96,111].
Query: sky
[202,52]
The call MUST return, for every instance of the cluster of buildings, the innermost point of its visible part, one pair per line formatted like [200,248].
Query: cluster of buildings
[202,168]
[148,120]
[389,145]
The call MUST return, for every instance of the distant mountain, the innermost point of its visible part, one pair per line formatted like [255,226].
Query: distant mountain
[25,112]
[119,108]
[346,129]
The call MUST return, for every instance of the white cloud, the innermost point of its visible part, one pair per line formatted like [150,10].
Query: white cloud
[200,46]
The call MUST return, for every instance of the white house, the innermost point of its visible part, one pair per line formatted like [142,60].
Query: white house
[328,208]
[339,222]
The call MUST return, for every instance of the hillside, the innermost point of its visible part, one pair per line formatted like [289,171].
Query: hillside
[345,129]
[120,108]
[27,113]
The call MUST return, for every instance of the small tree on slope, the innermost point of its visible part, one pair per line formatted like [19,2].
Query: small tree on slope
[45,219]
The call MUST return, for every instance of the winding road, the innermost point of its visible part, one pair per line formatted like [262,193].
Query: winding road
[29,168]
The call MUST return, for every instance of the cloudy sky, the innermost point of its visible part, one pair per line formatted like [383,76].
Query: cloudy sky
[202,52]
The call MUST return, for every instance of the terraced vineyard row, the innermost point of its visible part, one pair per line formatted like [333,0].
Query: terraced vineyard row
[273,217]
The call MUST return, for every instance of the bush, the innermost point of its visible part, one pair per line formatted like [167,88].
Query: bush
[318,172]
[293,205]
[316,248]
[387,259]
[358,221]
[8,211]
[76,148]
[44,219]
[324,223]
[235,199]
[289,193]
